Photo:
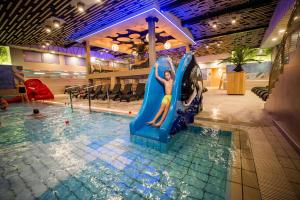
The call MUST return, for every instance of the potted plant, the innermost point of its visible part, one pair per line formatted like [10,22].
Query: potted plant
[236,79]
[3,54]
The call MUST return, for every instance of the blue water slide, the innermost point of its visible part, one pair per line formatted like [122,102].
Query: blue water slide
[153,97]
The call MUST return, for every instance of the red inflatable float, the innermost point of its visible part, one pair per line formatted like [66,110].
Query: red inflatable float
[37,90]
[15,99]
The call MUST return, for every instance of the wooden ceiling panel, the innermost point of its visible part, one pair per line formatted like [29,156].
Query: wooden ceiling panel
[22,21]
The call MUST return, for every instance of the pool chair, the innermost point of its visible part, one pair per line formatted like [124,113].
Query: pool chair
[79,90]
[115,93]
[97,92]
[104,90]
[74,90]
[66,89]
[126,91]
[91,90]
[137,95]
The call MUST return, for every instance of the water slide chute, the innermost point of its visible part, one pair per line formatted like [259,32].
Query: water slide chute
[185,103]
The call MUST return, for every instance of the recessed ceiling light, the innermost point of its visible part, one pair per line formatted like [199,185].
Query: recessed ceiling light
[296,17]
[48,29]
[206,46]
[281,31]
[43,46]
[99,1]
[218,44]
[233,21]
[274,39]
[47,43]
[56,23]
[214,25]
[80,7]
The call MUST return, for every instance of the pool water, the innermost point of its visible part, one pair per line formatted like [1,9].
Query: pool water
[92,158]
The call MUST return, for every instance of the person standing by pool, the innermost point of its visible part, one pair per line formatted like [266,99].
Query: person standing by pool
[167,81]
[3,103]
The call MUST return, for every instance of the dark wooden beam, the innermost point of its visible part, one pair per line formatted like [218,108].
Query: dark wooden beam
[173,5]
[230,10]
[232,32]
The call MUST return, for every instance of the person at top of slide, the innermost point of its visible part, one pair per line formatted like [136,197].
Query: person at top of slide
[167,81]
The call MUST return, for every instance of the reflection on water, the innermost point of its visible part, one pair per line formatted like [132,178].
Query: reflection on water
[92,158]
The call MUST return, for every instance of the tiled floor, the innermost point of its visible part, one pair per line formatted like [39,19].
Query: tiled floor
[264,165]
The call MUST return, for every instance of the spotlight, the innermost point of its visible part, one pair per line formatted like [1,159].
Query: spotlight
[274,39]
[214,25]
[218,44]
[99,1]
[43,46]
[47,43]
[206,46]
[296,18]
[233,21]
[56,23]
[80,7]
[47,29]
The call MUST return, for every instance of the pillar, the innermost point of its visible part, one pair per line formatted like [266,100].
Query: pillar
[187,48]
[113,81]
[151,32]
[88,60]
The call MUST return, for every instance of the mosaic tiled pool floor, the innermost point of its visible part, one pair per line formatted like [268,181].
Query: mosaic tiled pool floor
[92,158]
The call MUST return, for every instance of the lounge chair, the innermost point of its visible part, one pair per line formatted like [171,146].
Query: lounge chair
[91,90]
[126,91]
[115,92]
[79,91]
[137,95]
[75,90]
[83,92]
[97,92]
[104,90]
[66,89]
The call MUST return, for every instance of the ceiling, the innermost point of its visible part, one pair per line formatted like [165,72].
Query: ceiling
[131,33]
[22,21]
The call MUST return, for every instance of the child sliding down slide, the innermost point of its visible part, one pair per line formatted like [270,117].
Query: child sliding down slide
[167,81]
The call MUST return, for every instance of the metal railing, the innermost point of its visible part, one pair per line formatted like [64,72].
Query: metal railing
[287,47]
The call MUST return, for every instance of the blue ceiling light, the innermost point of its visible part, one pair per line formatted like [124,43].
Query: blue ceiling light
[139,14]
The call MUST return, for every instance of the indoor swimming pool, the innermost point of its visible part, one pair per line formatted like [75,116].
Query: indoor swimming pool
[78,155]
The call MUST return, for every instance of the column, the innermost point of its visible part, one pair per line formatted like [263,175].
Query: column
[187,48]
[151,31]
[88,60]
[113,81]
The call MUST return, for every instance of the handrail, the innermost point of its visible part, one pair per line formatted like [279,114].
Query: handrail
[281,57]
